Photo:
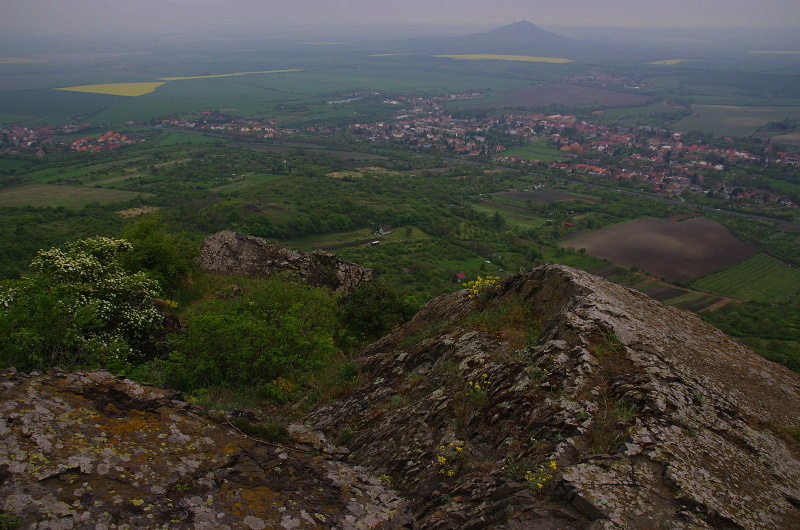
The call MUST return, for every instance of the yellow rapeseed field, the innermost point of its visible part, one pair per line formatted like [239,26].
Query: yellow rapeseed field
[116,89]
[229,75]
[670,62]
[784,52]
[491,56]
[19,60]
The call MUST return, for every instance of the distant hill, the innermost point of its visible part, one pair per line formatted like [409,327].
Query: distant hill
[517,38]
[523,36]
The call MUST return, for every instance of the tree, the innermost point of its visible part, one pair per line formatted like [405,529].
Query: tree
[81,310]
[272,328]
[374,308]
[167,258]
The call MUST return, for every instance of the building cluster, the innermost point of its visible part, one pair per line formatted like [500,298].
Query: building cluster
[108,140]
[666,162]
[38,139]
[43,139]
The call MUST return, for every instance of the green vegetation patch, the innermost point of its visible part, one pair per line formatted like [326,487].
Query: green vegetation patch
[175,138]
[16,165]
[514,216]
[761,278]
[733,120]
[42,195]
[542,197]
[541,151]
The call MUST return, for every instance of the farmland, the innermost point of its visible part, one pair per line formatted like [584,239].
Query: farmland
[116,89]
[235,74]
[517,58]
[541,151]
[309,186]
[43,195]
[675,251]
[560,94]
[20,60]
[543,197]
[515,216]
[761,278]
[733,120]
[670,62]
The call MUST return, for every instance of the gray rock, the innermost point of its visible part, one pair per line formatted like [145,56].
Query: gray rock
[652,417]
[233,253]
[89,450]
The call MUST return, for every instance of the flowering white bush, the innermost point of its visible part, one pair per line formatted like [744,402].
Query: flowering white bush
[82,309]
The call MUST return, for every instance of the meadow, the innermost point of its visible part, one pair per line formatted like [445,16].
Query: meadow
[760,278]
[496,57]
[515,216]
[733,120]
[542,151]
[543,197]
[561,94]
[670,62]
[43,195]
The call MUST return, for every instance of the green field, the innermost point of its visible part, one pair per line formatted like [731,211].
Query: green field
[176,138]
[733,120]
[539,150]
[515,217]
[42,195]
[273,93]
[7,164]
[761,278]
[247,182]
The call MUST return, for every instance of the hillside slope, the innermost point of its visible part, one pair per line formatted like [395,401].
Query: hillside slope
[552,399]
[621,411]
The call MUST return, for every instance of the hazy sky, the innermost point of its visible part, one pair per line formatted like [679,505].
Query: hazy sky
[165,14]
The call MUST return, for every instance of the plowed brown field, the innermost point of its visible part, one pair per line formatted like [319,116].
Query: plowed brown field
[674,251]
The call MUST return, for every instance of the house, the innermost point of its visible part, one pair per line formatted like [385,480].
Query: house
[459,277]
[384,230]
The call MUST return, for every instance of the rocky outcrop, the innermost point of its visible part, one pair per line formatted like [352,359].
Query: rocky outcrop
[237,254]
[90,450]
[557,399]
[554,399]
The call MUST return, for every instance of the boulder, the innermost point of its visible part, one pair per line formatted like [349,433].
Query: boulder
[91,450]
[557,399]
[233,253]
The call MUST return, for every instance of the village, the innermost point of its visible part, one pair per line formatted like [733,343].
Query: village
[44,139]
[656,160]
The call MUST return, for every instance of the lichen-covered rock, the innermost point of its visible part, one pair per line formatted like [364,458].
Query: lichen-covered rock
[555,399]
[90,450]
[238,254]
[561,400]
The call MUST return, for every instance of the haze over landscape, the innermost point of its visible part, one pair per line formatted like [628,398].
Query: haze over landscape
[94,15]
[478,249]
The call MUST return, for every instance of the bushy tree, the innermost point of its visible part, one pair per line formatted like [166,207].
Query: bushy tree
[267,329]
[374,308]
[167,258]
[81,309]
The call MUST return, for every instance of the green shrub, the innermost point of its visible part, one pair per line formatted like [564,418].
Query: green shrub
[82,309]
[375,308]
[167,258]
[272,328]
